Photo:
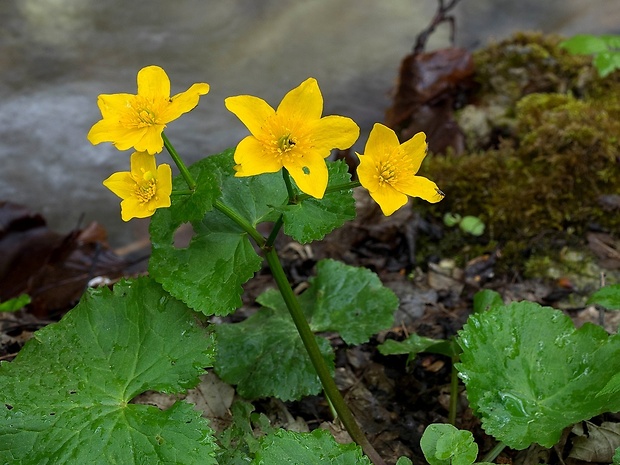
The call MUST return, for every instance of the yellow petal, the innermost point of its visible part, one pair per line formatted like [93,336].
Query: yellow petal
[252,111]
[184,102]
[303,103]
[388,198]
[381,141]
[334,132]
[309,172]
[153,83]
[419,186]
[150,139]
[367,173]
[113,105]
[121,183]
[142,162]
[131,207]
[253,158]
[164,184]
[415,150]
[108,131]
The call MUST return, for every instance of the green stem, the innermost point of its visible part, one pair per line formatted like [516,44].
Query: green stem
[182,192]
[241,221]
[274,232]
[309,341]
[189,179]
[280,221]
[218,204]
[493,453]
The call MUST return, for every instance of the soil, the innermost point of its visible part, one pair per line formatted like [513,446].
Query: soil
[393,399]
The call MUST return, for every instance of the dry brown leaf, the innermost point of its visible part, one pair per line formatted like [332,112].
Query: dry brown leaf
[597,444]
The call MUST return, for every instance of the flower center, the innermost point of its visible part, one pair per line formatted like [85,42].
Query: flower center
[285,143]
[386,172]
[142,112]
[146,188]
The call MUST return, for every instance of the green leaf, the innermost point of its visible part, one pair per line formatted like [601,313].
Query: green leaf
[486,299]
[341,298]
[238,441]
[529,373]
[274,361]
[404,461]
[608,297]
[312,219]
[451,219]
[12,305]
[65,398]
[584,44]
[350,300]
[316,448]
[192,207]
[443,444]
[472,225]
[412,346]
[606,50]
[617,457]
[208,274]
[607,62]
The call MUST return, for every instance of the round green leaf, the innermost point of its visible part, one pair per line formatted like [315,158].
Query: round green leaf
[529,373]
[65,398]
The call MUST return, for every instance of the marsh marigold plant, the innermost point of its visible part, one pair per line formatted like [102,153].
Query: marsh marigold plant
[294,136]
[138,120]
[144,189]
[388,169]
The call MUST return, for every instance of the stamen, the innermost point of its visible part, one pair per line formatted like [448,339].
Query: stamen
[285,143]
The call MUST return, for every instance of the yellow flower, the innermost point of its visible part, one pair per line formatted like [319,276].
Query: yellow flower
[294,136]
[144,189]
[138,120]
[388,169]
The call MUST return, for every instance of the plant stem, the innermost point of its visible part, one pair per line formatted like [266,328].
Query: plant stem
[309,341]
[189,179]
[218,204]
[241,221]
[493,453]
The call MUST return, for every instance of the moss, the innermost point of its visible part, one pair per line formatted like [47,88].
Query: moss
[555,153]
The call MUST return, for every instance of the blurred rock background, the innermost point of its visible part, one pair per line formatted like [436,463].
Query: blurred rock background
[56,56]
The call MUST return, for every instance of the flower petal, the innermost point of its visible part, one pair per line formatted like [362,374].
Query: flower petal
[164,185]
[309,172]
[252,111]
[367,173]
[142,162]
[153,83]
[183,102]
[110,131]
[334,132]
[388,198]
[419,186]
[113,105]
[303,103]
[150,139]
[121,183]
[381,141]
[131,207]
[415,150]
[253,158]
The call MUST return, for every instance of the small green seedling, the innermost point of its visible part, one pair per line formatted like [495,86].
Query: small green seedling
[605,50]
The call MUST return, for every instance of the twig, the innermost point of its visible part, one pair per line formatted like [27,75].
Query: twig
[441,16]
